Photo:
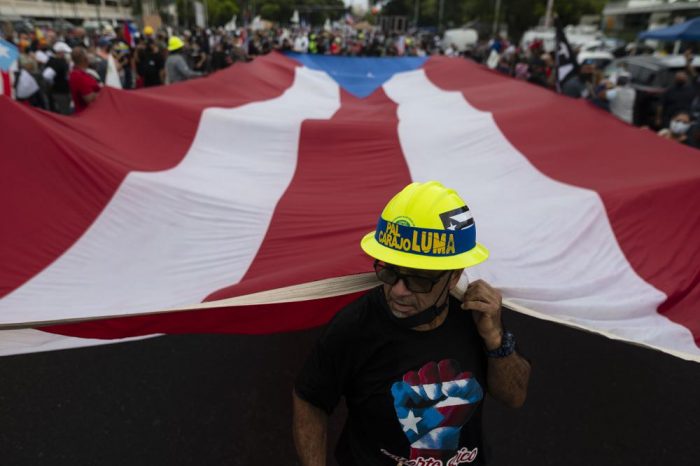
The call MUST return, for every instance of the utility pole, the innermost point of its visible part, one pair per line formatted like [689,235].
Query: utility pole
[548,17]
[206,13]
[441,14]
[415,13]
[496,12]
[99,18]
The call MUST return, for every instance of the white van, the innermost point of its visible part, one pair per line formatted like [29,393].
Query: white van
[462,39]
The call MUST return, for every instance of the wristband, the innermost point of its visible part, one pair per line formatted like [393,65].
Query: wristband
[506,348]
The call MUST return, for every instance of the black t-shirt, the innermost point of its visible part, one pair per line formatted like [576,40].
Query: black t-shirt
[677,99]
[409,393]
[60,81]
[150,65]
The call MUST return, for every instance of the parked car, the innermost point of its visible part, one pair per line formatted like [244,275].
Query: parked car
[600,59]
[650,75]
[62,25]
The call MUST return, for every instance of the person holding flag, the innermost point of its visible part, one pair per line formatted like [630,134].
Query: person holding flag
[412,362]
[569,80]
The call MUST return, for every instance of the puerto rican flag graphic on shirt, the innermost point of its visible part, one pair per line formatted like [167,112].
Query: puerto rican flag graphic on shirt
[432,405]
[236,202]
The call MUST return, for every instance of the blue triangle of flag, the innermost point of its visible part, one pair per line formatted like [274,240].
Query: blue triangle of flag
[360,76]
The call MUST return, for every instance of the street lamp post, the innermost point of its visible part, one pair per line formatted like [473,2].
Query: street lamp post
[441,13]
[548,16]
[496,12]
[415,13]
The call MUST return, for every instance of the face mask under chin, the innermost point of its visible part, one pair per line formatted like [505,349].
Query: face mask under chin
[423,317]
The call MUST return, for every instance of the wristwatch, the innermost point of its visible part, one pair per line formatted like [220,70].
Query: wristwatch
[506,348]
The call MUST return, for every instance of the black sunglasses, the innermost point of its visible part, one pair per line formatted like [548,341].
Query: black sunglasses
[390,275]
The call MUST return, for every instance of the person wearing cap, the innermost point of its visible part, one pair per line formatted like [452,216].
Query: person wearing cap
[176,68]
[56,73]
[412,361]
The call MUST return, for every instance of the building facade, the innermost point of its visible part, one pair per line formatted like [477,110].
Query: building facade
[76,11]
[631,17]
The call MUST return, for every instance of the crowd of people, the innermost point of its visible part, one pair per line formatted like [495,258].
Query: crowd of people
[676,111]
[64,72]
[60,71]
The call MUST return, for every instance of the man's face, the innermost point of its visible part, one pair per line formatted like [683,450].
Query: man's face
[406,303]
[681,78]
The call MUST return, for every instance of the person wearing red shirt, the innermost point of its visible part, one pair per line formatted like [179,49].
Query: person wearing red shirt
[83,87]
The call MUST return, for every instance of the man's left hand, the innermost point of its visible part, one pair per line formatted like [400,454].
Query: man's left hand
[485,302]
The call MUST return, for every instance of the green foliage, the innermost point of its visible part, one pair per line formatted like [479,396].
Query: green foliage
[221,11]
[519,15]
[281,11]
[270,10]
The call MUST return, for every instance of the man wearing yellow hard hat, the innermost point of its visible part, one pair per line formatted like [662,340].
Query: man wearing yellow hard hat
[176,68]
[412,361]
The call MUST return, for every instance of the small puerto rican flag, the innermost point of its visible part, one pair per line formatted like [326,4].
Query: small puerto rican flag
[8,64]
[457,219]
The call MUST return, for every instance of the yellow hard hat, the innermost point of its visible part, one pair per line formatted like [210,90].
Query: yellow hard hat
[175,43]
[148,31]
[426,226]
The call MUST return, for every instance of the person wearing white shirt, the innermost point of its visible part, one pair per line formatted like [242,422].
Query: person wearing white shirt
[621,98]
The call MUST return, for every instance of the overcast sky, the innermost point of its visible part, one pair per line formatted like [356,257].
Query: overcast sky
[356,2]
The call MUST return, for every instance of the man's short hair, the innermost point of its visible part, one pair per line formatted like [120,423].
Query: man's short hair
[79,55]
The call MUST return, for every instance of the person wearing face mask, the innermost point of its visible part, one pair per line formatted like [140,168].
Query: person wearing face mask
[678,128]
[412,361]
[677,98]
[621,98]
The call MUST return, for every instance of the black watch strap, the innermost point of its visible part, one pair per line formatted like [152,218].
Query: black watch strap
[507,346]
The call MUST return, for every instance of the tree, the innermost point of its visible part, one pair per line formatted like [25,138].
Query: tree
[518,15]
[312,11]
[521,15]
[221,11]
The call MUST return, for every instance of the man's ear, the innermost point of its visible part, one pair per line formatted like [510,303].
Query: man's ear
[454,277]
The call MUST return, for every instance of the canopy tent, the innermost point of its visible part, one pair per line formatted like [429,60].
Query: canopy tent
[688,31]
[235,203]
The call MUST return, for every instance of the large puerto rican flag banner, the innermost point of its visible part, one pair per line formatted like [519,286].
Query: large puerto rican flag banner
[236,203]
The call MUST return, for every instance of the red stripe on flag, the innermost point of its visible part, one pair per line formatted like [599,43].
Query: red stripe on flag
[6,84]
[127,35]
[649,185]
[280,317]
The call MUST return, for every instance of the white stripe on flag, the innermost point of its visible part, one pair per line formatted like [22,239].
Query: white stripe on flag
[33,341]
[552,246]
[171,238]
